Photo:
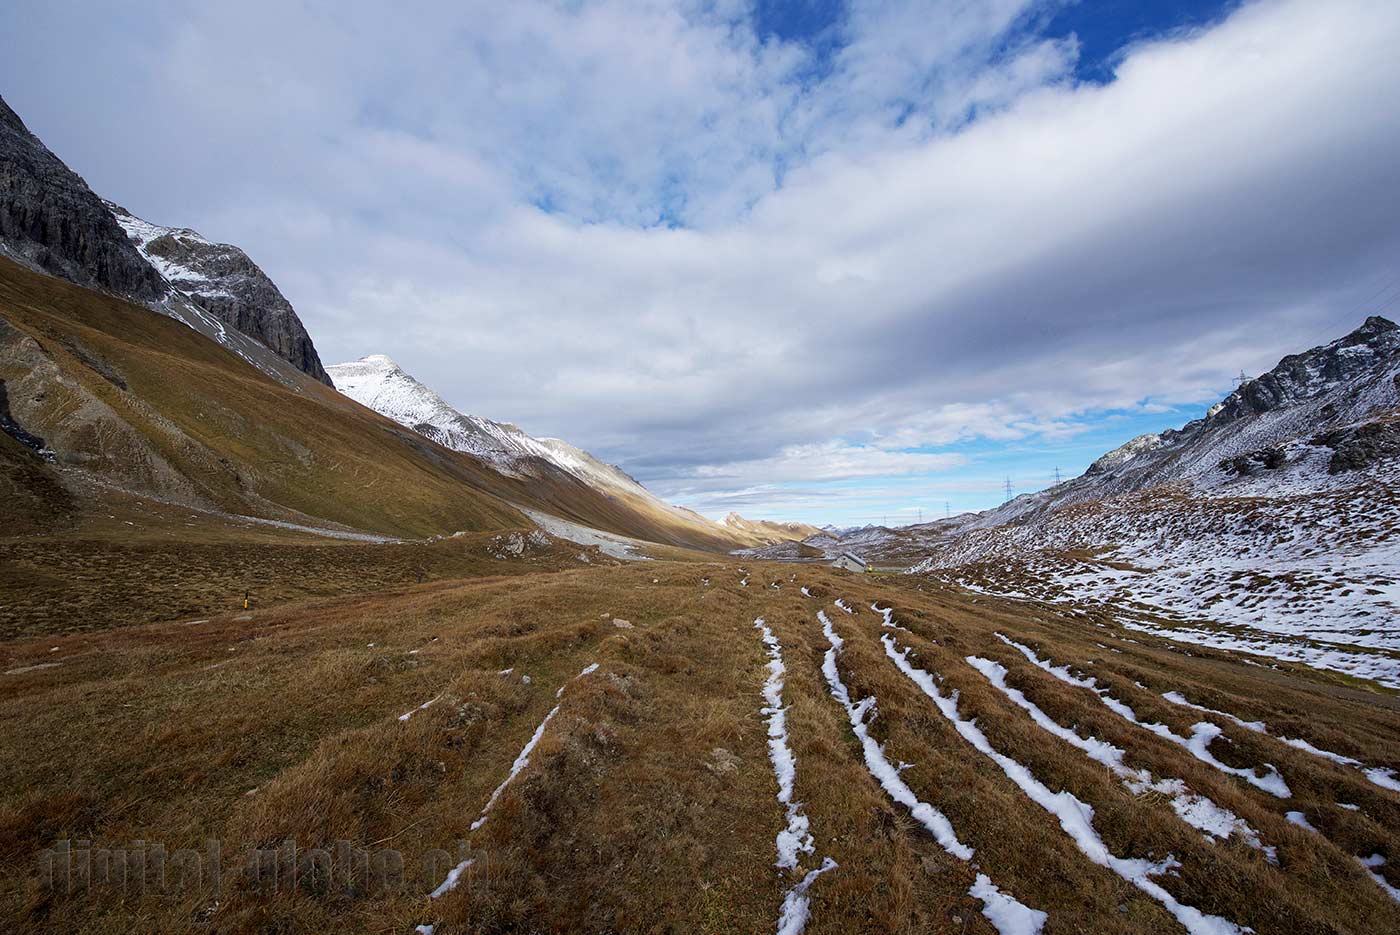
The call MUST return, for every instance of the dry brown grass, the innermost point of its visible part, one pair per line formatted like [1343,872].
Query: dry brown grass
[649,805]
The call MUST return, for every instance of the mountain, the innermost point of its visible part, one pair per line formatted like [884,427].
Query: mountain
[225,282]
[1325,388]
[101,399]
[52,222]
[1269,525]
[769,529]
[378,382]
[108,399]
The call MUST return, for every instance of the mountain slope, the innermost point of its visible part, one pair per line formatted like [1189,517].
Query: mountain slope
[129,399]
[225,282]
[768,529]
[50,220]
[122,398]
[1323,389]
[382,385]
[1270,525]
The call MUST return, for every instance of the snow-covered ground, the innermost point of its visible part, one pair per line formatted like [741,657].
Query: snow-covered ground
[1304,566]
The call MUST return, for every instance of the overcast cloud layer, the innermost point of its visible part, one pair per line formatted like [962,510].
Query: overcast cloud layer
[742,269]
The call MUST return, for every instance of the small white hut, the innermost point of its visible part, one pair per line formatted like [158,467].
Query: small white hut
[851,562]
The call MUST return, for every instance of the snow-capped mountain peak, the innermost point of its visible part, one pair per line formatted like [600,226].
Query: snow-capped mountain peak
[381,384]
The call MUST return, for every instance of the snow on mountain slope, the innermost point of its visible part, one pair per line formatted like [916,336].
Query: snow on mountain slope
[378,382]
[226,284]
[767,528]
[381,384]
[1270,525]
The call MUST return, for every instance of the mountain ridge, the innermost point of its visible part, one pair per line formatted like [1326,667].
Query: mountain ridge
[225,282]
[380,383]
[53,223]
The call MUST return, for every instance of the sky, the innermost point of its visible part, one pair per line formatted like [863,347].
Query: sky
[839,261]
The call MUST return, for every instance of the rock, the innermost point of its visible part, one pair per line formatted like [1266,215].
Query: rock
[1360,446]
[621,624]
[50,220]
[1247,465]
[226,283]
[722,761]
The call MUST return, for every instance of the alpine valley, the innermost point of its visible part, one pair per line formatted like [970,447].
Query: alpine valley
[296,647]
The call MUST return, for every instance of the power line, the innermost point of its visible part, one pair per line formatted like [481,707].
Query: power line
[1008,488]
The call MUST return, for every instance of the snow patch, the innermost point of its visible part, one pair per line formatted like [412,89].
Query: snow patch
[1074,815]
[887,775]
[1198,744]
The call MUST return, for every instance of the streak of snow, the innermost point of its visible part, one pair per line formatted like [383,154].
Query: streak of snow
[1198,811]
[523,759]
[1198,744]
[454,876]
[1074,815]
[1381,776]
[884,772]
[422,707]
[1371,863]
[796,836]
[797,904]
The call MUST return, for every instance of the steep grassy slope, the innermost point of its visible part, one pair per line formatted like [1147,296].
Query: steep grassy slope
[647,801]
[133,398]
[129,398]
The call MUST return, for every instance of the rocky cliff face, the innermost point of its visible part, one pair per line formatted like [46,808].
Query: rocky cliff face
[226,283]
[50,220]
[1366,352]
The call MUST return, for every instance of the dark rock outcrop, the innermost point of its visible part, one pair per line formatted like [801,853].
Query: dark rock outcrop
[51,220]
[227,284]
[1252,463]
[1298,377]
[1359,446]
